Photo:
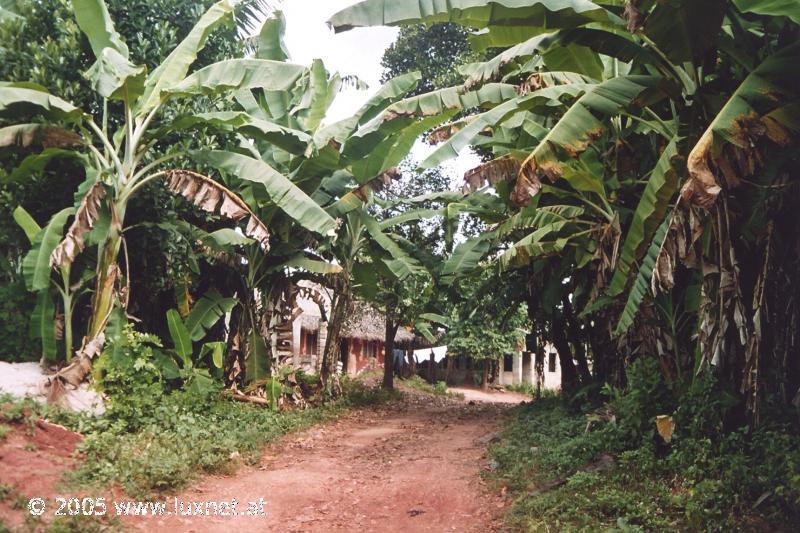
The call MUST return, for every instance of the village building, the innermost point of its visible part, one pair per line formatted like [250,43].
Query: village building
[362,339]
[362,346]
[520,367]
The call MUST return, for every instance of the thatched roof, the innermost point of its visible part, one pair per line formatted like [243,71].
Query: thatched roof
[367,323]
[309,321]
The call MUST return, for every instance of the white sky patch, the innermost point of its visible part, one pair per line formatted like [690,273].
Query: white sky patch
[356,52]
[455,168]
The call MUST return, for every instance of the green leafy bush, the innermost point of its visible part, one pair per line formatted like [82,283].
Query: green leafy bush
[16,306]
[133,372]
[180,436]
[713,476]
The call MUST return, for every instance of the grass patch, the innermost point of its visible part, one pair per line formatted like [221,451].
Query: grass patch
[705,480]
[417,383]
[530,390]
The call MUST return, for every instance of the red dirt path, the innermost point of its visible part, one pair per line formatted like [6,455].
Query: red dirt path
[413,466]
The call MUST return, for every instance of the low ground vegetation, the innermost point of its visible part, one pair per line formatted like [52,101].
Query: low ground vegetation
[417,383]
[572,468]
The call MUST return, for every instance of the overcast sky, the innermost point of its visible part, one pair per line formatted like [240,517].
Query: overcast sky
[356,52]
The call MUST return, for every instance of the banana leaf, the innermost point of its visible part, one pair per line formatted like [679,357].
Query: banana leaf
[285,194]
[36,264]
[238,74]
[208,310]
[174,68]
[471,13]
[649,214]
[641,286]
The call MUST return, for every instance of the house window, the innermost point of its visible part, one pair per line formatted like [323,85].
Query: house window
[508,363]
[370,348]
[551,362]
[311,342]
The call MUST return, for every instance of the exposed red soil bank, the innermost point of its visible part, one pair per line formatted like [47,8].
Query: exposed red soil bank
[33,458]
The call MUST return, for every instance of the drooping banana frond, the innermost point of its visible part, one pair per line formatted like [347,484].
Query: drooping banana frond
[465,258]
[212,197]
[502,169]
[27,98]
[536,217]
[27,135]
[574,51]
[649,214]
[576,129]
[317,297]
[731,147]
[641,285]
[87,214]
[363,194]
[472,14]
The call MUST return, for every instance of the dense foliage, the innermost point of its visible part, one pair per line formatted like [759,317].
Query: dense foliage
[621,474]
[639,199]
[636,210]
[642,181]
[45,46]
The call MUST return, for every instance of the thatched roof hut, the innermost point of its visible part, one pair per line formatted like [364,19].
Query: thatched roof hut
[367,323]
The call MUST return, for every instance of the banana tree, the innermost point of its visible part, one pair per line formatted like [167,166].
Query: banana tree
[326,160]
[36,270]
[121,160]
[615,111]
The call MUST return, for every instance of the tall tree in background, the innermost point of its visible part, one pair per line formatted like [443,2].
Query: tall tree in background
[436,51]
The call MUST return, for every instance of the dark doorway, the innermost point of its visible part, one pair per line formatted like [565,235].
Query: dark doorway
[344,354]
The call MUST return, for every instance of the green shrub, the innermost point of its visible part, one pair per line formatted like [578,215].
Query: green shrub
[182,435]
[417,383]
[16,306]
[710,477]
[133,372]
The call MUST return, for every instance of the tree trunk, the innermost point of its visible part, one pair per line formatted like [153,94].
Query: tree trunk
[577,342]
[332,349]
[449,371]
[388,345]
[569,375]
[485,378]
[538,367]
[234,355]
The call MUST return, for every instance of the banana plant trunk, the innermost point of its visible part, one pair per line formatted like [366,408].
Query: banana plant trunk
[448,374]
[569,374]
[107,274]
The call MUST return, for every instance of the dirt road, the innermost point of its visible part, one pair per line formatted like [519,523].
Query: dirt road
[413,466]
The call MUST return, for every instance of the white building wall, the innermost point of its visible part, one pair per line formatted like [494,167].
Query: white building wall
[552,380]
